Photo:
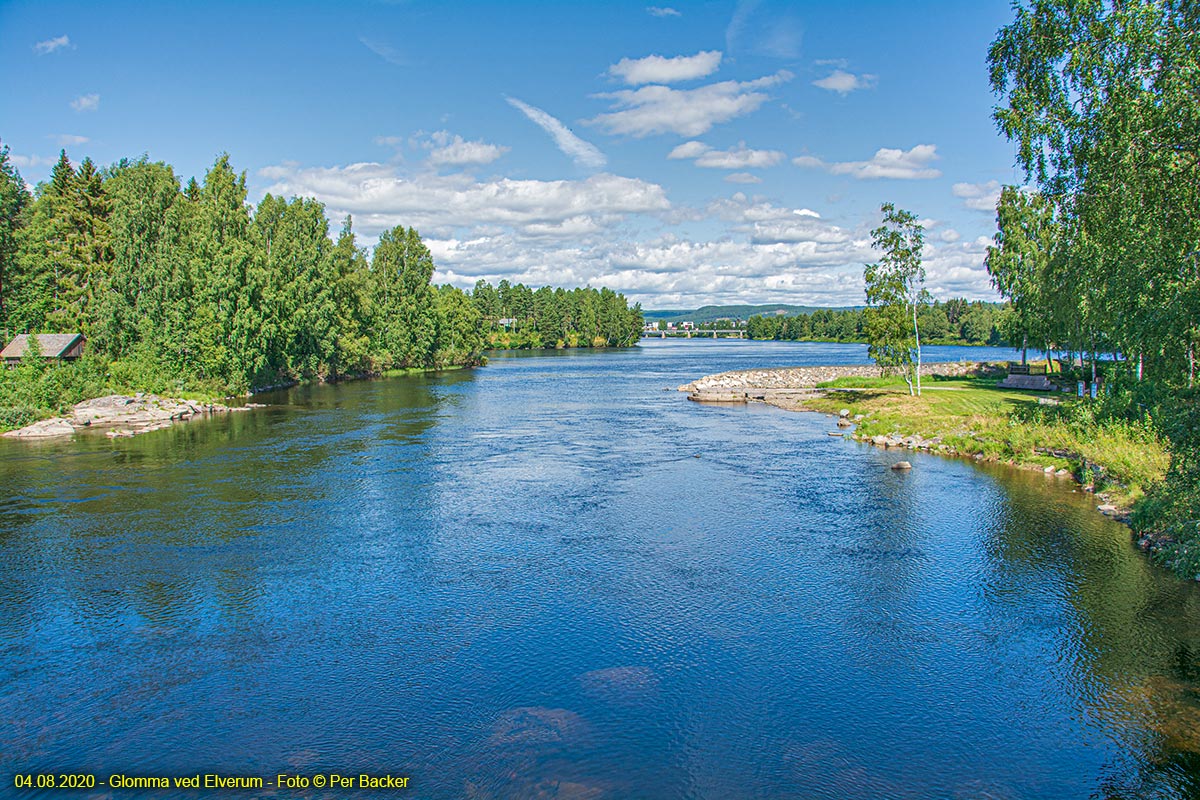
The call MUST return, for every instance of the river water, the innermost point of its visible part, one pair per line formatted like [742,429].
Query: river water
[549,577]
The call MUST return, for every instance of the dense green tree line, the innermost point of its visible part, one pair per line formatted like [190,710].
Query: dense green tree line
[516,316]
[191,282]
[186,287]
[1100,99]
[955,321]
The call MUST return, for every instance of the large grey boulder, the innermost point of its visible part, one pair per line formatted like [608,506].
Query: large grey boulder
[45,429]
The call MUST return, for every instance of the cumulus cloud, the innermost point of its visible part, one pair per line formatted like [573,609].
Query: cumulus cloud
[844,82]
[380,198]
[665,270]
[30,162]
[50,45]
[956,269]
[688,150]
[660,69]
[739,157]
[687,112]
[452,150]
[898,164]
[662,11]
[69,139]
[87,102]
[742,177]
[979,196]
[608,230]
[585,154]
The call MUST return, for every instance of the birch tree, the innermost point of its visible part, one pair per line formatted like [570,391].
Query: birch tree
[895,288]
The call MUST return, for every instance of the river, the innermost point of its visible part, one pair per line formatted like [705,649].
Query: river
[551,577]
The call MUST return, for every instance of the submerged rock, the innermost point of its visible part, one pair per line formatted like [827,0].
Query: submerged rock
[619,682]
[537,725]
[900,465]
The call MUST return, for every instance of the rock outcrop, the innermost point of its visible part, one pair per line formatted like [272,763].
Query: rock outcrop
[789,387]
[123,415]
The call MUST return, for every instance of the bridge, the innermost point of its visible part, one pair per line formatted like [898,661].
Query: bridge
[716,333]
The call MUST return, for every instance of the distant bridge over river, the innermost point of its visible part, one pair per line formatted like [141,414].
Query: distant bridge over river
[717,333]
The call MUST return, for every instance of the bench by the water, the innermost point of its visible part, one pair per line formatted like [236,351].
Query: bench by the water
[1035,382]
[1027,376]
[1026,369]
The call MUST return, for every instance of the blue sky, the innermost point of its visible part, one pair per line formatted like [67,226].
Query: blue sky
[682,153]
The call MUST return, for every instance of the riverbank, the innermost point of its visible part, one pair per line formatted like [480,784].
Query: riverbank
[136,412]
[963,412]
[122,416]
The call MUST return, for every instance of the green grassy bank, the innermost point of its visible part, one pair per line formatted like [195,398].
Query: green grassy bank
[973,416]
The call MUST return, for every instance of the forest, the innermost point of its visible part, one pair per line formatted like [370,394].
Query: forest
[518,317]
[1100,251]
[188,289]
[955,321]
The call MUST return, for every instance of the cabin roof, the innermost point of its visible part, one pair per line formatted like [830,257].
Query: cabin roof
[53,345]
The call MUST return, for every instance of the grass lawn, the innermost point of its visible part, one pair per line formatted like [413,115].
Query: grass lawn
[974,416]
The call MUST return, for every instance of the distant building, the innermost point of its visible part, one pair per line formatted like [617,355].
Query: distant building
[59,346]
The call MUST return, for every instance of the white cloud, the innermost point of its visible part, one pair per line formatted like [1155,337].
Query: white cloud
[660,69]
[662,11]
[50,45]
[911,164]
[688,150]
[384,51]
[452,150]
[389,141]
[30,162]
[69,139]
[979,196]
[739,157]
[956,270]
[613,231]
[665,270]
[742,177]
[380,198]
[687,112]
[949,235]
[585,154]
[87,102]
[844,82]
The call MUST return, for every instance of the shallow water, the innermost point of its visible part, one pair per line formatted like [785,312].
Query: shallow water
[551,578]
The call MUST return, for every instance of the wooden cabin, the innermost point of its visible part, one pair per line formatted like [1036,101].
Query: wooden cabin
[55,346]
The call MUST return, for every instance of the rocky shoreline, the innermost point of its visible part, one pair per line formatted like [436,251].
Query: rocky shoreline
[122,416]
[790,388]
